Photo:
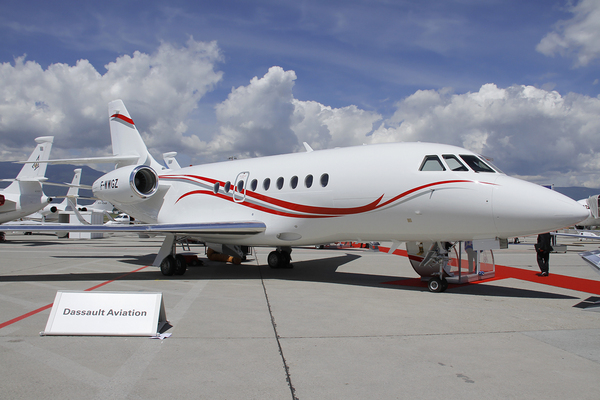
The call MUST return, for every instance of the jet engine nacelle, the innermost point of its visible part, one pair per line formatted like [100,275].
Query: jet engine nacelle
[126,185]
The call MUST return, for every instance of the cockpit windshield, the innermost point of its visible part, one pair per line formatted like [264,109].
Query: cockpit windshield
[476,163]
[432,163]
[453,163]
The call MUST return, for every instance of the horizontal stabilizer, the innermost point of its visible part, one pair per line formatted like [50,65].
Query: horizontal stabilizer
[68,185]
[89,160]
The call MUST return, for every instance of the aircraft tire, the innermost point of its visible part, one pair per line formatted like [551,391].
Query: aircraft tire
[434,285]
[444,285]
[180,264]
[167,266]
[275,259]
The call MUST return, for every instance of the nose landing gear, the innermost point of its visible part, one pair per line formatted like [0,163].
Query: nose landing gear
[431,260]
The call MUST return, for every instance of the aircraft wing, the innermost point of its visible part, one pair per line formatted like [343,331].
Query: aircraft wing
[581,235]
[593,258]
[212,230]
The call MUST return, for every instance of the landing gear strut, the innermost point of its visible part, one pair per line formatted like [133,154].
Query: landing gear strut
[169,262]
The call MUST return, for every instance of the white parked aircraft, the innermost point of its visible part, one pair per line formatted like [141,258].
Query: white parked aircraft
[51,210]
[386,192]
[25,195]
[592,205]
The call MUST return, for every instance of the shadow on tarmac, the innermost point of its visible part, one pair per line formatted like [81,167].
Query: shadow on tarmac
[316,270]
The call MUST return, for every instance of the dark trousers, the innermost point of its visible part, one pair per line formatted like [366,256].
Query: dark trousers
[542,260]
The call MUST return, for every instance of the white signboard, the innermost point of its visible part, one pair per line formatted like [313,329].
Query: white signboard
[106,314]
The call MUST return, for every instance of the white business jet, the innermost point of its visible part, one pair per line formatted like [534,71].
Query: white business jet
[50,211]
[420,192]
[592,205]
[25,195]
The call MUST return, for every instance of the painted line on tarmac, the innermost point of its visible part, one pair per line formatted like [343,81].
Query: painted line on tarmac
[47,306]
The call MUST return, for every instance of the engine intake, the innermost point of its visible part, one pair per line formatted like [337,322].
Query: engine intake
[144,181]
[130,184]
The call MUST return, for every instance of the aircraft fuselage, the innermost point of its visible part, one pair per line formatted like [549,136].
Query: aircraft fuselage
[365,193]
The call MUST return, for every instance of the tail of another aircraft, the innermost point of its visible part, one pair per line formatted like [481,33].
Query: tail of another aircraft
[73,191]
[34,169]
[126,139]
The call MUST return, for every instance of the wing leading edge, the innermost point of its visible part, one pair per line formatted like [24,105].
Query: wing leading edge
[213,229]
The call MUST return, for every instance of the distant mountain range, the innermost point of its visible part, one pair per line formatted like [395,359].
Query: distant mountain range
[576,192]
[64,174]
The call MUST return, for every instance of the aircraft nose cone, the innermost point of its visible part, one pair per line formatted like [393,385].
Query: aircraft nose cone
[524,208]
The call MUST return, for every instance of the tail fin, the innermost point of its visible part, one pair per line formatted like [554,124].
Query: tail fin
[73,191]
[35,168]
[126,139]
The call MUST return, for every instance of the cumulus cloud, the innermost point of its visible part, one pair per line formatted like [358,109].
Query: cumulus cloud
[526,130]
[70,102]
[576,37]
[255,119]
[537,133]
[264,118]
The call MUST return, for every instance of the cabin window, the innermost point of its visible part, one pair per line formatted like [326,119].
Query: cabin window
[308,181]
[240,186]
[453,163]
[432,163]
[227,186]
[294,182]
[253,185]
[324,180]
[216,188]
[476,163]
[279,183]
[266,184]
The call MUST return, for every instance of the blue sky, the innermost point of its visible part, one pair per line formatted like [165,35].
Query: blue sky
[515,80]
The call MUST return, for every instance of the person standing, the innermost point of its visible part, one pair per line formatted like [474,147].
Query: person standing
[543,247]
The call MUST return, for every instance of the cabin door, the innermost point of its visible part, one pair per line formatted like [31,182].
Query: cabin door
[239,187]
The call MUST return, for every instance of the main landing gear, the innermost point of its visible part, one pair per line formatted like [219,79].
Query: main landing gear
[169,262]
[173,265]
[280,258]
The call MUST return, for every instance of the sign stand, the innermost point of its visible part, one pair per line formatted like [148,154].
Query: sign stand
[77,313]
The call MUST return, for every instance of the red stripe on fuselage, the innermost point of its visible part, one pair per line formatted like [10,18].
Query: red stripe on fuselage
[316,211]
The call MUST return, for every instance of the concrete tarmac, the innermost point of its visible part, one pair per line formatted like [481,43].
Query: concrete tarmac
[339,324]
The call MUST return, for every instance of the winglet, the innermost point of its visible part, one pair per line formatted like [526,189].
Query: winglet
[307,147]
